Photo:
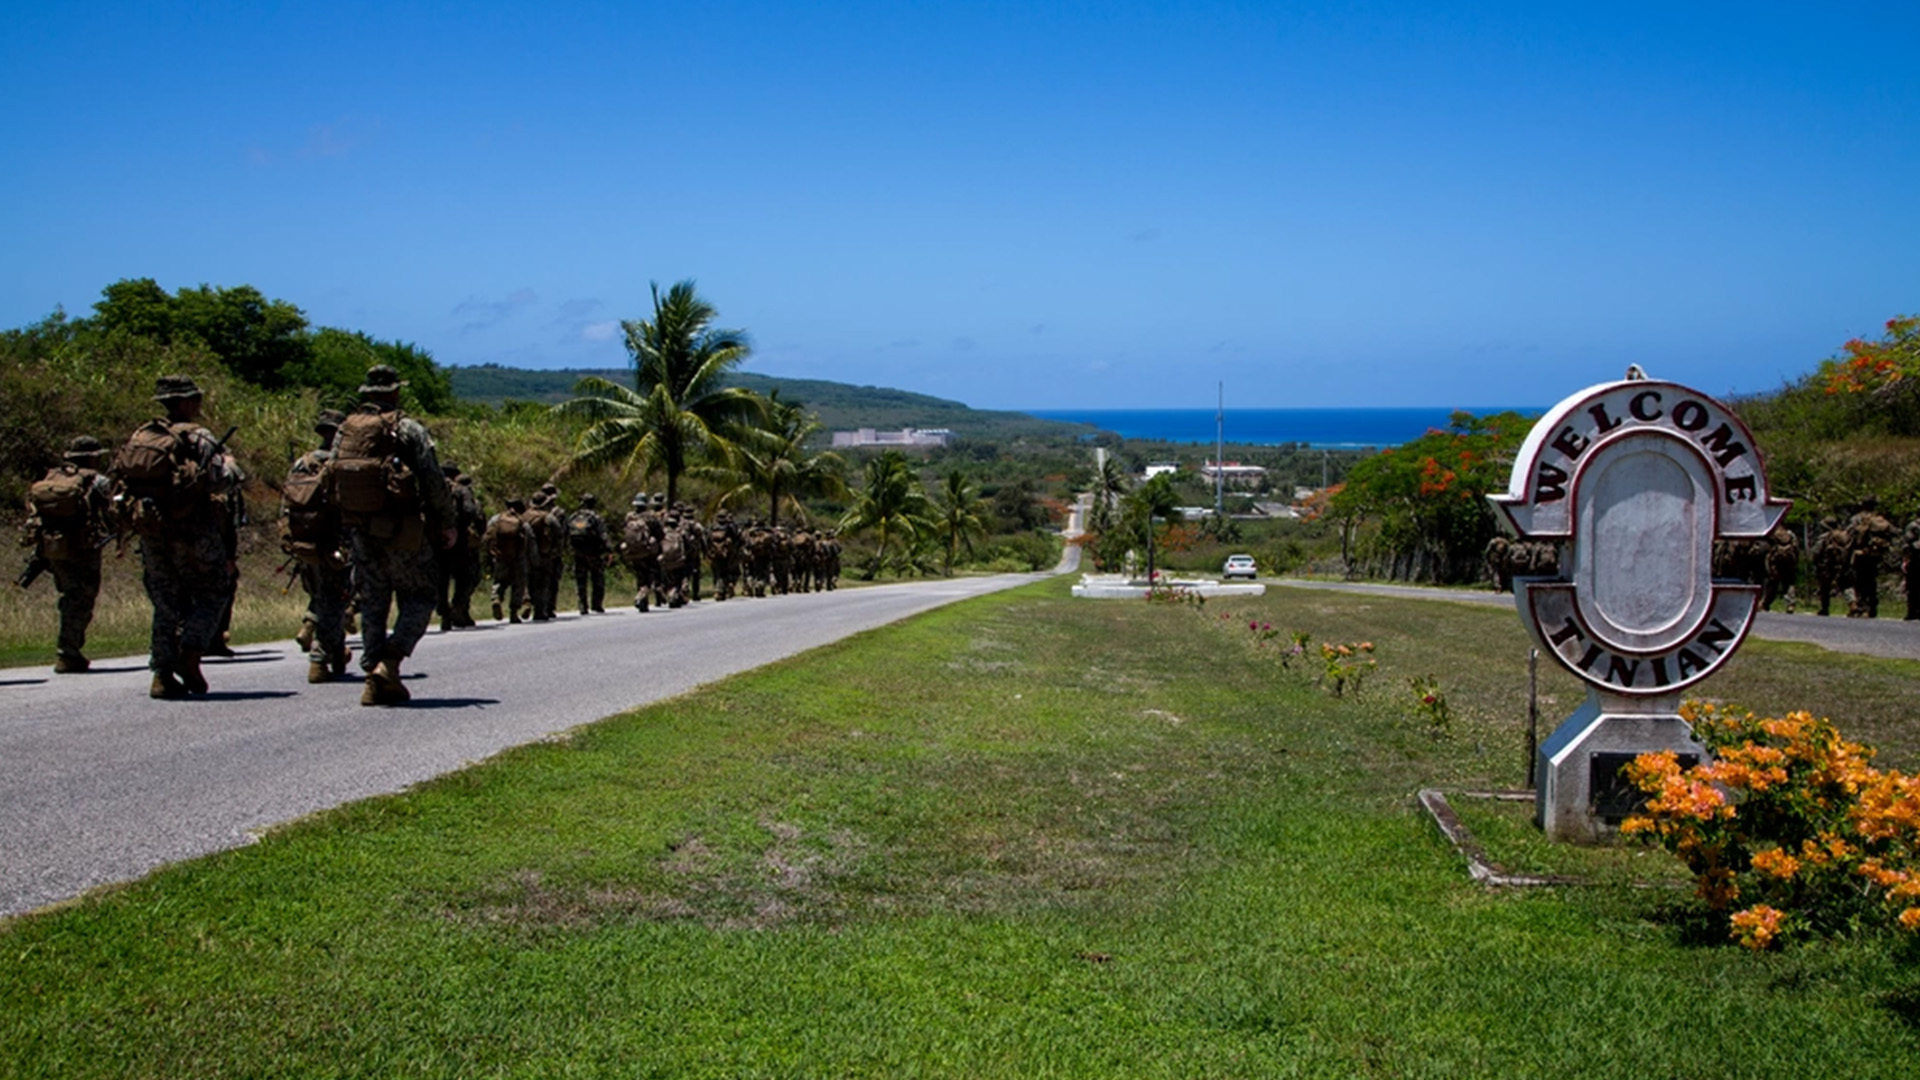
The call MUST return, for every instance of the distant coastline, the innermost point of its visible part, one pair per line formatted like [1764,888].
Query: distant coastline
[1332,429]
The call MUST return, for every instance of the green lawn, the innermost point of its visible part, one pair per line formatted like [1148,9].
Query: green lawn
[1022,836]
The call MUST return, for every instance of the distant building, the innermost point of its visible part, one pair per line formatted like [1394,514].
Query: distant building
[1235,475]
[867,436]
[1157,468]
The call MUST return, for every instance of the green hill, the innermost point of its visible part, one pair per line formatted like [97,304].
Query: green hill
[840,406]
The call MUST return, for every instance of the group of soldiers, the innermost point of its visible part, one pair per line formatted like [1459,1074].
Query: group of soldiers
[372,524]
[667,549]
[1849,557]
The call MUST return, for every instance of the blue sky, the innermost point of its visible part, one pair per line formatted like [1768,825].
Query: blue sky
[1016,205]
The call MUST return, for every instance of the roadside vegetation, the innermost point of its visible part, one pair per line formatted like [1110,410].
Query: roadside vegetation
[1025,835]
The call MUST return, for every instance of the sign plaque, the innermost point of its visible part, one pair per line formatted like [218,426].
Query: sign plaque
[1633,482]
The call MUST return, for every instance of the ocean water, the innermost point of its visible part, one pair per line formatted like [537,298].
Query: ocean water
[1332,429]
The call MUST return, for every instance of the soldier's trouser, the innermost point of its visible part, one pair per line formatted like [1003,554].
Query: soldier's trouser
[645,581]
[590,582]
[510,585]
[327,592]
[78,581]
[465,578]
[185,574]
[392,576]
[1866,593]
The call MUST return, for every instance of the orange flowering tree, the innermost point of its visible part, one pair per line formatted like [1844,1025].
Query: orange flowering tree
[1875,365]
[1429,495]
[1788,828]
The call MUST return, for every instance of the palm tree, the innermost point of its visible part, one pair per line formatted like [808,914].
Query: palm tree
[1109,483]
[1151,500]
[892,504]
[770,459]
[680,401]
[959,519]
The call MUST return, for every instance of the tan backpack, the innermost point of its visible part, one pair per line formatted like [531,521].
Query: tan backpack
[366,474]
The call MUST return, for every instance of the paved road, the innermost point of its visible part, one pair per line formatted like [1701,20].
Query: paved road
[1891,638]
[99,783]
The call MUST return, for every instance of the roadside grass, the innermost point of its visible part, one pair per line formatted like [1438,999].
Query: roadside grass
[1020,836]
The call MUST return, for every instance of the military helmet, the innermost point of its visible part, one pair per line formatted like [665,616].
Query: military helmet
[659,498]
[516,503]
[84,448]
[171,387]
[328,420]
[639,499]
[449,470]
[589,500]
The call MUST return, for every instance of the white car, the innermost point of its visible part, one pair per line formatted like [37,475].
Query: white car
[1239,566]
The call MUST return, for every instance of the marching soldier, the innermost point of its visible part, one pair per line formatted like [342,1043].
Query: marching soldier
[175,480]
[394,501]
[1870,538]
[587,536]
[462,560]
[509,545]
[1782,567]
[640,550]
[545,561]
[69,521]
[312,534]
[1830,559]
[723,554]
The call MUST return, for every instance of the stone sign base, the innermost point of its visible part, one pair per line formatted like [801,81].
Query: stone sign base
[1582,795]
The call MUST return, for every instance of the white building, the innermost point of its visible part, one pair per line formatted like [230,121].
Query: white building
[1234,474]
[1157,468]
[910,437]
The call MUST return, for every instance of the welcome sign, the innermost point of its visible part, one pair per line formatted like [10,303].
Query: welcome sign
[1633,482]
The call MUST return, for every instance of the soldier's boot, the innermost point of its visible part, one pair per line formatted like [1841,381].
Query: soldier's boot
[384,686]
[337,665]
[304,638]
[188,669]
[165,687]
[317,671]
[70,664]
[497,613]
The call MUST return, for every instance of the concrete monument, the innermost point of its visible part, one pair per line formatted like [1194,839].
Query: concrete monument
[1633,481]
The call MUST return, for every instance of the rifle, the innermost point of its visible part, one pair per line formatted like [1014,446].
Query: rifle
[36,565]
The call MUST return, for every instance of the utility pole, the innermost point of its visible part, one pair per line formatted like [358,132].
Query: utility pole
[1219,465]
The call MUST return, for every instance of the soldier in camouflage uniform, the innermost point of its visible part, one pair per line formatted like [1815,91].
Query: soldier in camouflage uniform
[509,546]
[393,548]
[1870,539]
[723,555]
[324,572]
[547,564]
[461,562]
[1498,571]
[176,480]
[830,559]
[1910,566]
[757,545]
[587,536]
[1782,567]
[640,551]
[694,536]
[69,519]
[673,560]
[1830,558]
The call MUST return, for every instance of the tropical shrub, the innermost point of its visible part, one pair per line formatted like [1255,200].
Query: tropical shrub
[1788,829]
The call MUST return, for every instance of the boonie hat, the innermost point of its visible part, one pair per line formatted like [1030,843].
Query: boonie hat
[169,387]
[83,447]
[382,379]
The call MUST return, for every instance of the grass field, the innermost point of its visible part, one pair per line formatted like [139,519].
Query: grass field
[1021,836]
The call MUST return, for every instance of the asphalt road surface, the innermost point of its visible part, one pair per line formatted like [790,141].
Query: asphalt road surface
[1893,639]
[100,784]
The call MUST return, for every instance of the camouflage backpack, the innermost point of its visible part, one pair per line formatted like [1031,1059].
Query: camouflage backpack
[309,522]
[157,463]
[366,473]
[637,539]
[673,548]
[581,534]
[61,497]
[503,536]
